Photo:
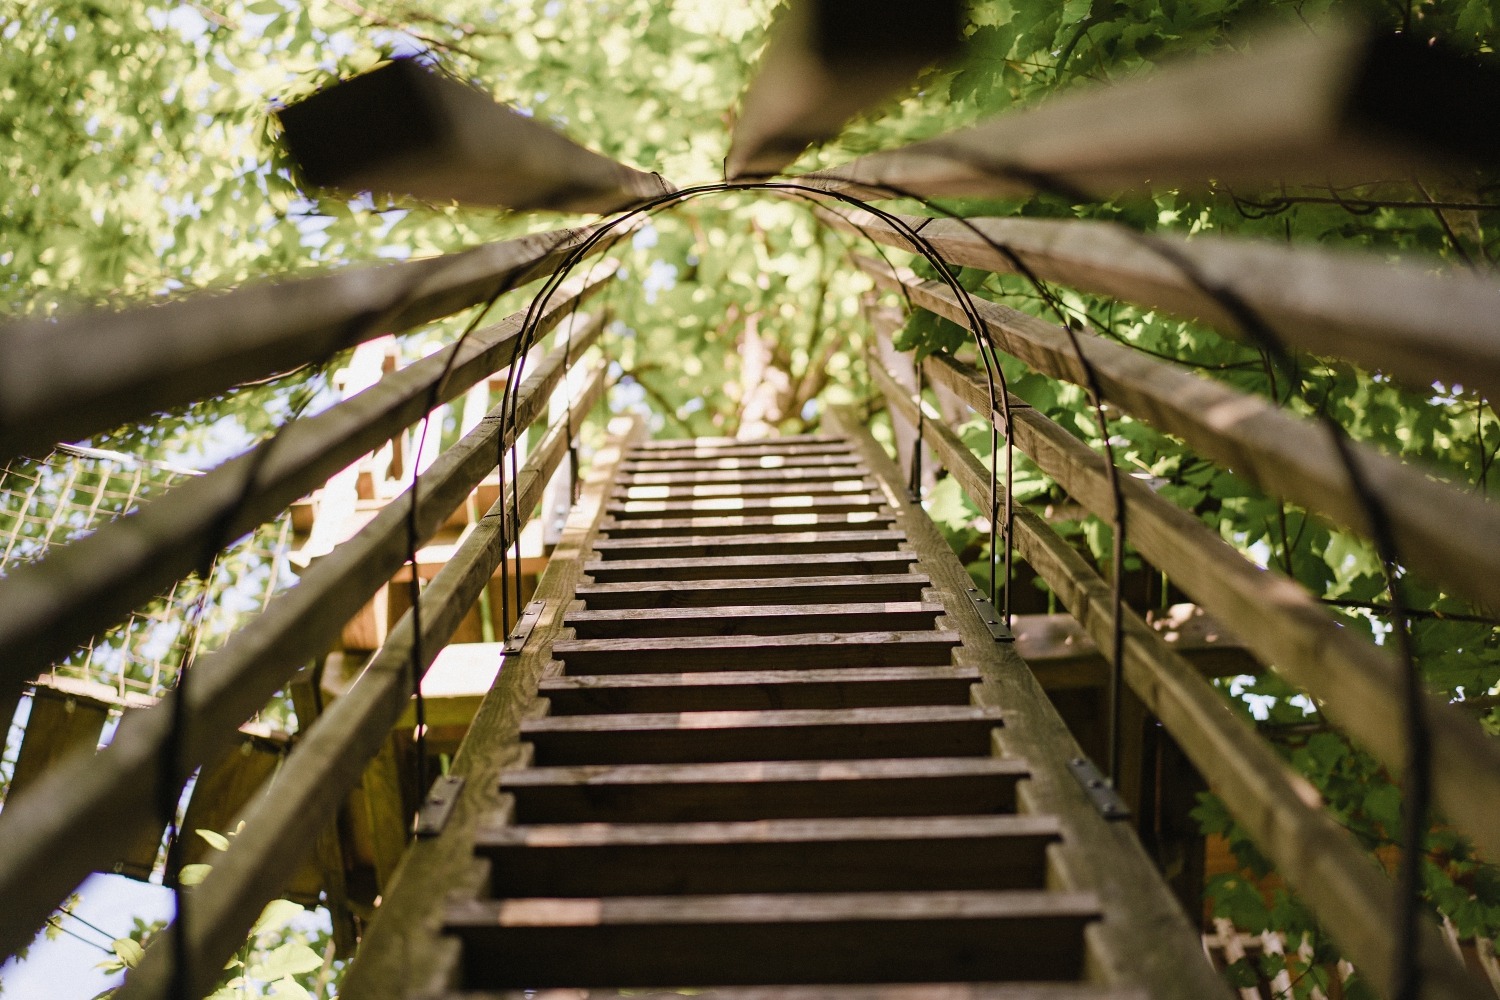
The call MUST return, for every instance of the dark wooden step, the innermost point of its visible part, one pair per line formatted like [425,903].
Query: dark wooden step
[636,466]
[879,991]
[756,652]
[668,592]
[676,444]
[759,689]
[631,510]
[748,448]
[768,489]
[790,734]
[878,543]
[747,939]
[828,855]
[675,793]
[737,524]
[851,470]
[777,619]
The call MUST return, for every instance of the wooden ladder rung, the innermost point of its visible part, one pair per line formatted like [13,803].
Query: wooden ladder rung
[759,620]
[817,649]
[734,524]
[670,592]
[769,547]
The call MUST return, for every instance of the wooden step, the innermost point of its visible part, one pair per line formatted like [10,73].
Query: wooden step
[769,489]
[690,451]
[736,524]
[669,592]
[880,543]
[758,689]
[667,444]
[626,510]
[778,619]
[792,734]
[637,466]
[882,991]
[852,470]
[756,652]
[675,793]
[827,855]
[794,938]
[723,568]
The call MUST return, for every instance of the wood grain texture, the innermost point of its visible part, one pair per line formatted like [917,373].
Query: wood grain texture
[736,524]
[756,652]
[723,549]
[778,619]
[782,590]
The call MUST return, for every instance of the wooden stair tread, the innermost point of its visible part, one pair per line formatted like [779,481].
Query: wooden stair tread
[881,991]
[769,489]
[653,444]
[856,548]
[628,510]
[757,620]
[848,470]
[636,465]
[756,772]
[734,524]
[661,655]
[668,592]
[840,687]
[724,451]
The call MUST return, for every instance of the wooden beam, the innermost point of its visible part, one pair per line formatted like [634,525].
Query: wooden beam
[48,608]
[405,129]
[828,60]
[1282,454]
[66,379]
[331,757]
[1343,104]
[1358,684]
[1403,319]
[74,822]
[1333,873]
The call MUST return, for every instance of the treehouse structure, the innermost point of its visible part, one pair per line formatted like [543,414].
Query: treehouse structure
[726,716]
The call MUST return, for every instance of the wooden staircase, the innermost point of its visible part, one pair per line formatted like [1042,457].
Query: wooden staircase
[755,766]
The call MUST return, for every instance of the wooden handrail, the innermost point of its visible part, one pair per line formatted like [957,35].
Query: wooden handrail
[1323,861]
[50,607]
[91,805]
[1342,104]
[1402,319]
[60,381]
[1281,454]
[328,760]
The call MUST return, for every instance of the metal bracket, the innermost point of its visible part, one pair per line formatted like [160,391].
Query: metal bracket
[987,614]
[438,805]
[1100,792]
[516,641]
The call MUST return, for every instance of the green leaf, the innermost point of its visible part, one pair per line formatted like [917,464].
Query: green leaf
[214,839]
[277,914]
[193,874]
[129,951]
[286,960]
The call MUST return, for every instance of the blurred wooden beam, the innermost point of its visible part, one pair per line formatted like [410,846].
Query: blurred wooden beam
[828,60]
[406,129]
[1343,104]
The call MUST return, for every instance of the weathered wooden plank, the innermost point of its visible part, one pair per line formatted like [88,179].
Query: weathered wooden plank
[888,991]
[49,607]
[91,808]
[841,687]
[735,524]
[674,793]
[773,489]
[894,854]
[333,755]
[1330,869]
[405,129]
[672,593]
[754,652]
[798,938]
[1063,655]
[1342,105]
[731,567]
[627,509]
[741,449]
[670,444]
[795,734]
[58,726]
[728,550]
[754,475]
[1284,455]
[733,463]
[1358,684]
[1144,939]
[60,382]
[725,620]
[1404,319]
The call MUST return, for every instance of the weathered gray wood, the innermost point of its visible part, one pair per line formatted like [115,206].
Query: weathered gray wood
[1339,105]
[672,444]
[804,544]
[829,855]
[78,821]
[780,619]
[1404,319]
[888,991]
[1285,455]
[795,734]
[1331,871]
[716,591]
[628,510]
[401,953]
[797,474]
[728,567]
[1063,655]
[772,446]
[50,607]
[674,793]
[803,937]
[1144,939]
[755,652]
[636,467]
[405,129]
[735,524]
[841,687]
[61,381]
[772,489]
[1358,684]
[331,757]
